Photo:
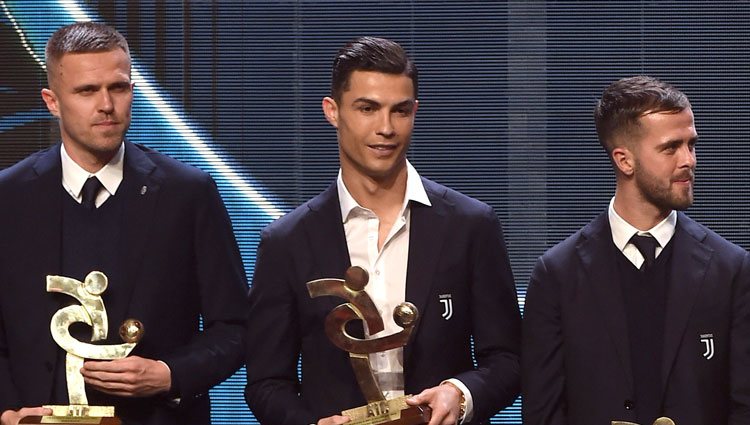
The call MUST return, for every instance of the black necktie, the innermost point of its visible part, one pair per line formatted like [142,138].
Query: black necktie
[647,245]
[89,192]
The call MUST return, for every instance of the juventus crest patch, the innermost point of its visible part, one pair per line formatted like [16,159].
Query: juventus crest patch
[447,301]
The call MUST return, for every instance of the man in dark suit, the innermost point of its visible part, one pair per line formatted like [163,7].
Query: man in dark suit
[419,241]
[157,228]
[643,313]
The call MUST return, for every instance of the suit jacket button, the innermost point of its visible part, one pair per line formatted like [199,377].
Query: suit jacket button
[629,404]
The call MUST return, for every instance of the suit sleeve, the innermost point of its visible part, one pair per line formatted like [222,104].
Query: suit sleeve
[273,341]
[216,352]
[496,322]
[739,359]
[543,382]
[8,393]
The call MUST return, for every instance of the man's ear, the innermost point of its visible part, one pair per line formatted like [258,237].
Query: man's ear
[50,99]
[331,111]
[624,160]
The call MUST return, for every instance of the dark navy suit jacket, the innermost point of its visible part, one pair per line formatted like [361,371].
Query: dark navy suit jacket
[456,248]
[181,262]
[576,355]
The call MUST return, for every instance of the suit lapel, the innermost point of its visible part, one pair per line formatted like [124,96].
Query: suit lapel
[44,199]
[598,262]
[426,238]
[139,191]
[683,286]
[327,241]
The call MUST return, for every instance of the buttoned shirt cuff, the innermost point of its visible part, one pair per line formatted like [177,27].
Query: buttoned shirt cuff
[469,413]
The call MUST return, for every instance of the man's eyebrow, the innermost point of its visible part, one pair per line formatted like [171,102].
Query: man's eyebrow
[85,87]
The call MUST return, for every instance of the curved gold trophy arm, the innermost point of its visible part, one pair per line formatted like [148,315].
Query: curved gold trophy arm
[358,299]
[88,293]
[59,326]
[337,320]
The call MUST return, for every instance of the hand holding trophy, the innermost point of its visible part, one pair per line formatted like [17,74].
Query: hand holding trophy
[360,307]
[91,311]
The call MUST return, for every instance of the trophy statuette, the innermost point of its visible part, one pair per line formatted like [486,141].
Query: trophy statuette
[360,306]
[91,311]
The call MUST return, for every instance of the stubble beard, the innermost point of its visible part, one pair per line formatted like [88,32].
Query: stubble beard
[663,197]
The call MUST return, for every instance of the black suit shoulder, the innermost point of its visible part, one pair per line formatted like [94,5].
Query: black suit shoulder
[290,223]
[170,169]
[729,251]
[463,205]
[23,170]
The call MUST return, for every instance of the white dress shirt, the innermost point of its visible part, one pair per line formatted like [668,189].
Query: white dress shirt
[622,232]
[387,272]
[73,176]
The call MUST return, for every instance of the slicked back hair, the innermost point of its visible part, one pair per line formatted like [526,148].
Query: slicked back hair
[82,37]
[370,54]
[624,102]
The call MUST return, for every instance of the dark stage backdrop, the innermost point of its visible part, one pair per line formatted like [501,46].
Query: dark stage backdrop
[506,95]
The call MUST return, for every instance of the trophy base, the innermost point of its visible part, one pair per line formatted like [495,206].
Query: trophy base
[76,415]
[391,412]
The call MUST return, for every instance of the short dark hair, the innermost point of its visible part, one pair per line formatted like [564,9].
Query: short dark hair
[82,37]
[370,54]
[626,100]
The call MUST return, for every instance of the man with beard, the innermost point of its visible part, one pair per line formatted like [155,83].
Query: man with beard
[643,313]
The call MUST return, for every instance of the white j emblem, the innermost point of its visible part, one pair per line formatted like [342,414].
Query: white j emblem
[447,301]
[708,341]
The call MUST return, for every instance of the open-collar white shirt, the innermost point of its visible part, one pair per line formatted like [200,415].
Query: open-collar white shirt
[387,272]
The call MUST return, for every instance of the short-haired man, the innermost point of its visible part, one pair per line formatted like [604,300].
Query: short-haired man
[157,228]
[643,313]
[419,241]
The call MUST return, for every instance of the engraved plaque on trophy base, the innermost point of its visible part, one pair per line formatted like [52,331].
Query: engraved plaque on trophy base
[76,415]
[391,412]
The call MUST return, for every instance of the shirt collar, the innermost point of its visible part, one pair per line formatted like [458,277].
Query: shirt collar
[110,175]
[622,231]
[414,192]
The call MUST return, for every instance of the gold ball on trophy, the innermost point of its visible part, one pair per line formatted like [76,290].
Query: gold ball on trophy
[405,314]
[95,283]
[356,278]
[664,421]
[131,330]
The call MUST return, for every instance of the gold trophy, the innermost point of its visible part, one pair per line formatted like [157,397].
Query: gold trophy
[378,410]
[660,421]
[91,311]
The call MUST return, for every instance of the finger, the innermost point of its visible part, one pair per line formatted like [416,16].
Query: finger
[334,420]
[117,365]
[112,388]
[34,411]
[114,377]
[101,366]
[421,398]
